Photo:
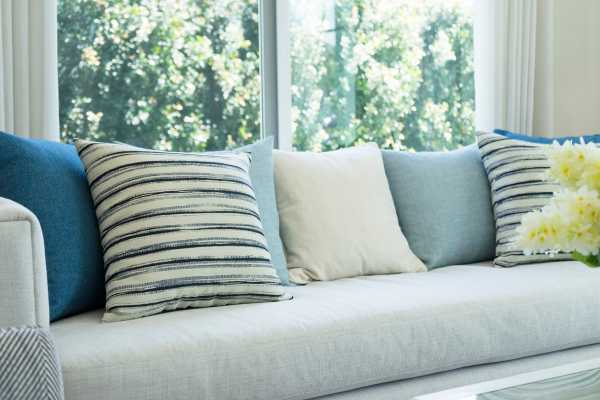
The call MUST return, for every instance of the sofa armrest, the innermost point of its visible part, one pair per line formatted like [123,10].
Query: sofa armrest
[23,284]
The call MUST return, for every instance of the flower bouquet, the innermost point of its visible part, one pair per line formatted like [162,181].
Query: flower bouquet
[570,222]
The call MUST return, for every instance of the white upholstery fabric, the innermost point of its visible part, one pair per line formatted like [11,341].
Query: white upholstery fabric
[334,336]
[407,389]
[23,284]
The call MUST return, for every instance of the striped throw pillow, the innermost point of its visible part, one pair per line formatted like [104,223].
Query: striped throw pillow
[178,230]
[518,175]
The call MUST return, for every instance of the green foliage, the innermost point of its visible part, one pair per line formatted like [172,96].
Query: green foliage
[592,261]
[396,73]
[184,74]
[170,74]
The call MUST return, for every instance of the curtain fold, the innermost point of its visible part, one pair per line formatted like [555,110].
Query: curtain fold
[505,48]
[29,68]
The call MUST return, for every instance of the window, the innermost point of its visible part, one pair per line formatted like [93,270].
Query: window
[186,74]
[399,73]
[166,74]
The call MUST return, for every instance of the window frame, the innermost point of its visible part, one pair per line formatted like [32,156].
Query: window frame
[275,72]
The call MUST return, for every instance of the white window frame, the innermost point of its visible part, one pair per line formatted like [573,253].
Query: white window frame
[275,72]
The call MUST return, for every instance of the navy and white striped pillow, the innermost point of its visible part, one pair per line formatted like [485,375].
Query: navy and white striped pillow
[178,230]
[518,175]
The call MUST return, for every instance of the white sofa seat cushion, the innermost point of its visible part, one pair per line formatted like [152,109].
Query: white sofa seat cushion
[334,336]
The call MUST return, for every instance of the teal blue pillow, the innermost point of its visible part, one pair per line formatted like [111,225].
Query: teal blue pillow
[443,204]
[261,174]
[545,140]
[48,179]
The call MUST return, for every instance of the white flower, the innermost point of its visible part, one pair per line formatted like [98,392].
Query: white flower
[541,232]
[568,162]
[570,222]
[590,175]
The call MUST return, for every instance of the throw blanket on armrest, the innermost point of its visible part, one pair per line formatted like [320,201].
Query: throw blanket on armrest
[29,367]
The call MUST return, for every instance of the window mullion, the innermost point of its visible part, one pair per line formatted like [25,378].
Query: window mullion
[275,72]
[284,76]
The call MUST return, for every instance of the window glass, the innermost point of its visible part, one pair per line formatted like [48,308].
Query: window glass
[166,74]
[395,72]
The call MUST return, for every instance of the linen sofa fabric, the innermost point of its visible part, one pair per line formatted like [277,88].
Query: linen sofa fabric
[408,389]
[23,282]
[337,216]
[518,175]
[178,230]
[335,336]
[443,204]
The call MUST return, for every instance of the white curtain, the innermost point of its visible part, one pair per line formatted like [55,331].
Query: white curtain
[28,68]
[505,39]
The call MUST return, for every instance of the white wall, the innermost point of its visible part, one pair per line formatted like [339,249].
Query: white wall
[567,87]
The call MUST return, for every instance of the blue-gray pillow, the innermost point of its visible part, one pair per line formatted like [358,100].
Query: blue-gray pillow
[443,204]
[48,178]
[261,175]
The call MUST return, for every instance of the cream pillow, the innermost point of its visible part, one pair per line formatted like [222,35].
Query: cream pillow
[337,216]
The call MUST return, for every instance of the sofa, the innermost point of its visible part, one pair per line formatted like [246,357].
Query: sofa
[371,337]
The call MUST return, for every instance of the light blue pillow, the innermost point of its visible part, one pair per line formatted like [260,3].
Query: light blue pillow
[443,204]
[261,174]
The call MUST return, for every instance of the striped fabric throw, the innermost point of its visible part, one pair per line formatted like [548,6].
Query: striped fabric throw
[178,230]
[29,366]
[518,175]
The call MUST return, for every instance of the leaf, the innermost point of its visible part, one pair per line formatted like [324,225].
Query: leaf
[590,260]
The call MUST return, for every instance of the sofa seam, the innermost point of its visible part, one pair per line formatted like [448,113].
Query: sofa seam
[36,289]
